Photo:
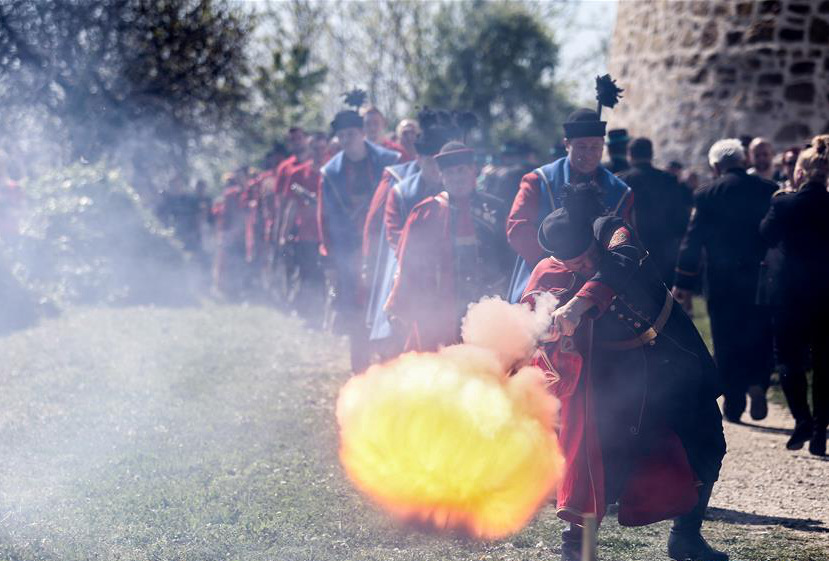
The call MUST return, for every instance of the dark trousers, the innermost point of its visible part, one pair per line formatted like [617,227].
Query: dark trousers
[306,282]
[349,311]
[797,337]
[742,348]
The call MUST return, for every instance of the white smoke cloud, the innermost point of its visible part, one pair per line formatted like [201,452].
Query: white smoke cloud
[510,330]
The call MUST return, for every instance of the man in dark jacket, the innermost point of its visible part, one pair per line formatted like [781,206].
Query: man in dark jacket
[797,226]
[725,223]
[661,207]
[617,150]
[640,413]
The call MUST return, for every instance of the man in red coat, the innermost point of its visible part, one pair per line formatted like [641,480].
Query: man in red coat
[230,273]
[299,232]
[421,179]
[639,424]
[540,191]
[442,266]
[375,128]
[276,187]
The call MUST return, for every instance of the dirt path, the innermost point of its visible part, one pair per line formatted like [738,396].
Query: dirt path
[763,484]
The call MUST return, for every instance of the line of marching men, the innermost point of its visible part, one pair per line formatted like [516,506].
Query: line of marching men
[388,242]
[408,241]
[328,230]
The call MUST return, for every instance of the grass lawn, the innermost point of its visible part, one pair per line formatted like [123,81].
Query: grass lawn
[209,433]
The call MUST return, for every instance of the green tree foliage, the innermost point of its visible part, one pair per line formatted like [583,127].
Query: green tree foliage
[287,93]
[497,60]
[86,239]
[141,80]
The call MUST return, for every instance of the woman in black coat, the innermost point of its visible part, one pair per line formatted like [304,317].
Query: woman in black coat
[797,224]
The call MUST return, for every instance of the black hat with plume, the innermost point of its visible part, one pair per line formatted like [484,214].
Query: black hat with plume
[350,118]
[567,232]
[583,123]
[586,122]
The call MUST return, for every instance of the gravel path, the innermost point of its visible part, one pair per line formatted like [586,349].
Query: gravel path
[763,484]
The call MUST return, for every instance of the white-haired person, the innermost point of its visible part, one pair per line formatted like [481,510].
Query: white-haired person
[762,158]
[725,223]
[796,226]
[407,132]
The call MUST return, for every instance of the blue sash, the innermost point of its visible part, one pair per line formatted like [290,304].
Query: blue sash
[407,189]
[552,178]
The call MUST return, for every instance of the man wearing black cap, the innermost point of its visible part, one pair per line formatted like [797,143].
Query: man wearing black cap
[617,147]
[422,179]
[540,191]
[443,267]
[514,161]
[661,207]
[497,192]
[348,184]
[639,420]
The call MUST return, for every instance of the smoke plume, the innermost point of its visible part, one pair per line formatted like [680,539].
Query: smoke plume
[510,331]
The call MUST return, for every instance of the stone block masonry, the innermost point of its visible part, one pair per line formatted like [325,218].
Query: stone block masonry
[699,70]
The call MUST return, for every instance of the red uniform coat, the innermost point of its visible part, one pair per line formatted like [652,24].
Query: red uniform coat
[230,216]
[582,490]
[405,155]
[400,202]
[374,219]
[300,205]
[279,185]
[424,297]
[523,221]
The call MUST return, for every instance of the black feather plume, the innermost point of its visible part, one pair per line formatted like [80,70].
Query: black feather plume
[355,98]
[607,92]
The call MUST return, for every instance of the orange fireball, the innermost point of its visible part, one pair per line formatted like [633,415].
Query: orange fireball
[450,440]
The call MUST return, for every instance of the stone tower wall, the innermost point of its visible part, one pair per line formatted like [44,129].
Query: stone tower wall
[697,71]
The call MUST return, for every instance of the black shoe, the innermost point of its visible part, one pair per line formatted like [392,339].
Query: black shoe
[685,541]
[571,543]
[801,434]
[817,445]
[733,417]
[759,409]
[733,411]
[570,551]
[684,547]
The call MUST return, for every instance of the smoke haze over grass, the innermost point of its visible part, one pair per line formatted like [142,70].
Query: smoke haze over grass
[210,434]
